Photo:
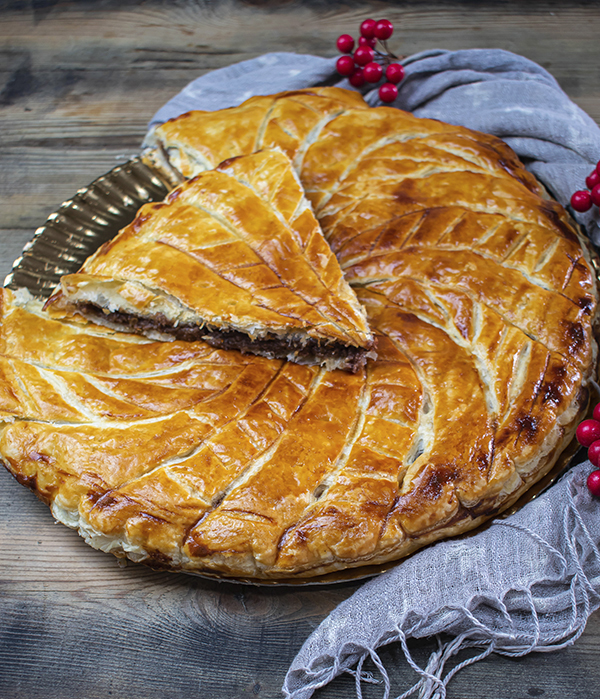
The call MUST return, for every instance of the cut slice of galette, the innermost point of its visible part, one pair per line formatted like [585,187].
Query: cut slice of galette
[234,257]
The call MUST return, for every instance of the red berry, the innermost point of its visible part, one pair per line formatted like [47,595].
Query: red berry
[373,72]
[394,72]
[596,195]
[367,42]
[345,43]
[588,432]
[388,93]
[592,179]
[363,55]
[367,28]
[581,201]
[594,453]
[593,483]
[345,65]
[596,413]
[384,29]
[598,167]
[357,79]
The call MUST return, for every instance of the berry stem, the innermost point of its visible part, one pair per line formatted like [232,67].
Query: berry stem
[389,55]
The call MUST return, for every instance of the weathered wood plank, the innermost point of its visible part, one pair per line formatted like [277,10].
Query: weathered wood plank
[11,246]
[143,634]
[76,624]
[78,83]
[73,56]
[72,53]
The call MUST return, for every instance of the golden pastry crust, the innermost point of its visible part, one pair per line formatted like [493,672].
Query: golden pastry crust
[235,257]
[291,121]
[483,301]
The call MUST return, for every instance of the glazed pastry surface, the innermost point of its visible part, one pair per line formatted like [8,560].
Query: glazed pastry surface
[483,300]
[233,255]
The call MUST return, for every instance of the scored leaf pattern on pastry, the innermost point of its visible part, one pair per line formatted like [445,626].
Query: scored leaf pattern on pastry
[482,299]
[237,248]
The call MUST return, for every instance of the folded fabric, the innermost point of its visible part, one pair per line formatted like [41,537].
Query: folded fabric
[528,582]
[515,99]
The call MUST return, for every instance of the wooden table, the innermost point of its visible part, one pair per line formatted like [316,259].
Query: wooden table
[79,81]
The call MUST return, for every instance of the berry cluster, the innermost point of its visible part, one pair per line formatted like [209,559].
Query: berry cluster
[584,198]
[588,435]
[367,63]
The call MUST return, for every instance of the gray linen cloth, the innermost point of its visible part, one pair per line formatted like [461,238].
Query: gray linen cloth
[528,582]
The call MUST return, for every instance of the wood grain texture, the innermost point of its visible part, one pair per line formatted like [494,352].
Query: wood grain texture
[75,624]
[12,242]
[78,83]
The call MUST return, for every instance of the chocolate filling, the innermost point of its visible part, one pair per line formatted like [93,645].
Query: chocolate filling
[272,346]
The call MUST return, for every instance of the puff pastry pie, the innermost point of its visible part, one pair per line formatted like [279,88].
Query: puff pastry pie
[483,300]
[234,257]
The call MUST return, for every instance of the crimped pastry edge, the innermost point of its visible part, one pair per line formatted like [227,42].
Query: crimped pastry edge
[119,546]
[222,566]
